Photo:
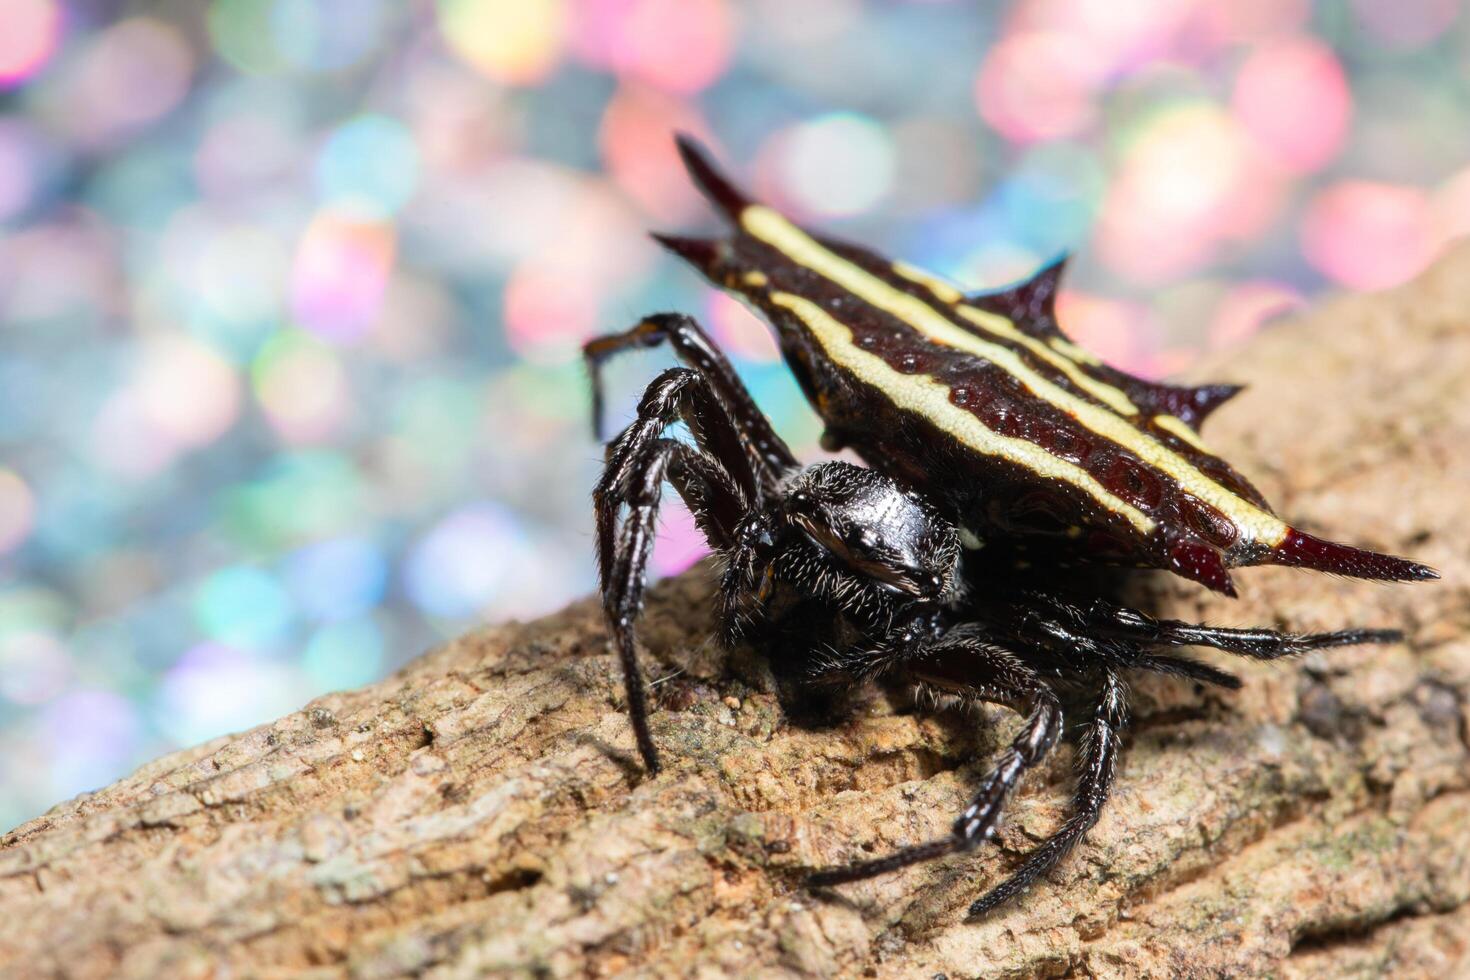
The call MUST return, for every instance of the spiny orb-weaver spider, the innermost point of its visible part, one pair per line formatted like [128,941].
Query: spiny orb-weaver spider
[999,456]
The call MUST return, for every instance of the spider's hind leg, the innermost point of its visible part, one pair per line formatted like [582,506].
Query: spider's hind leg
[1256,643]
[1125,638]
[1114,638]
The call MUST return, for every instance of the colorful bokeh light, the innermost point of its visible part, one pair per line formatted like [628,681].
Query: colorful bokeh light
[518,43]
[676,45]
[302,387]
[341,272]
[17,510]
[1406,24]
[1192,181]
[369,165]
[128,77]
[451,571]
[30,32]
[1368,235]
[836,165]
[1292,97]
[1039,86]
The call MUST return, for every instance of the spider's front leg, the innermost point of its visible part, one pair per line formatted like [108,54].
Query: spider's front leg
[769,455]
[715,480]
[964,664]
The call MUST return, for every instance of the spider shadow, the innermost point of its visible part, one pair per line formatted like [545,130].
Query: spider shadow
[628,763]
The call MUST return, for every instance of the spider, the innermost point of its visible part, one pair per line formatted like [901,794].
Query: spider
[845,575]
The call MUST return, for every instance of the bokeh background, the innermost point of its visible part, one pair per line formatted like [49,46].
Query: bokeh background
[291,290]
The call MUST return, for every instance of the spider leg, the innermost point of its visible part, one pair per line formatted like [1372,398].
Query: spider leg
[717,481]
[679,394]
[1101,631]
[1191,669]
[1098,762]
[961,663]
[716,504]
[1257,643]
[769,453]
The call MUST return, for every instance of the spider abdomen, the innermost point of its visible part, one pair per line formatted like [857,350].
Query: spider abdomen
[975,399]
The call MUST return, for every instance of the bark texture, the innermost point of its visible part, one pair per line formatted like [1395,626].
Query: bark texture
[480,812]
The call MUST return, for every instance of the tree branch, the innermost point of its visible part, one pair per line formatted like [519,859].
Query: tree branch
[481,812]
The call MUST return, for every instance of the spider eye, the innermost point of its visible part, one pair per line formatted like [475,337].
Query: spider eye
[882,534]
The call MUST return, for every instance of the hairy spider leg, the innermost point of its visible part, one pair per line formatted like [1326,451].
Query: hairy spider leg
[1189,669]
[962,663]
[1124,638]
[1098,763]
[676,395]
[1119,637]
[716,481]
[696,350]
[707,491]
[1256,643]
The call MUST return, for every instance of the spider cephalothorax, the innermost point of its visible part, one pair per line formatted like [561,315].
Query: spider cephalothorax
[853,538]
[984,426]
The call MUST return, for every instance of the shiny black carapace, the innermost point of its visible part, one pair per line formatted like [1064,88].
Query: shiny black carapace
[1000,456]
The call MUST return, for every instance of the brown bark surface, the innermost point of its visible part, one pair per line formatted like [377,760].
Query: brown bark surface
[480,813]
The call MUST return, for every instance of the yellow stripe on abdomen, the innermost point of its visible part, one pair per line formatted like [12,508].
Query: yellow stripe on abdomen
[799,247]
[945,291]
[928,398]
[1079,354]
[999,326]
[1176,425]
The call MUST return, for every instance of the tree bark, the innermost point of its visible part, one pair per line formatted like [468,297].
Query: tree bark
[481,812]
